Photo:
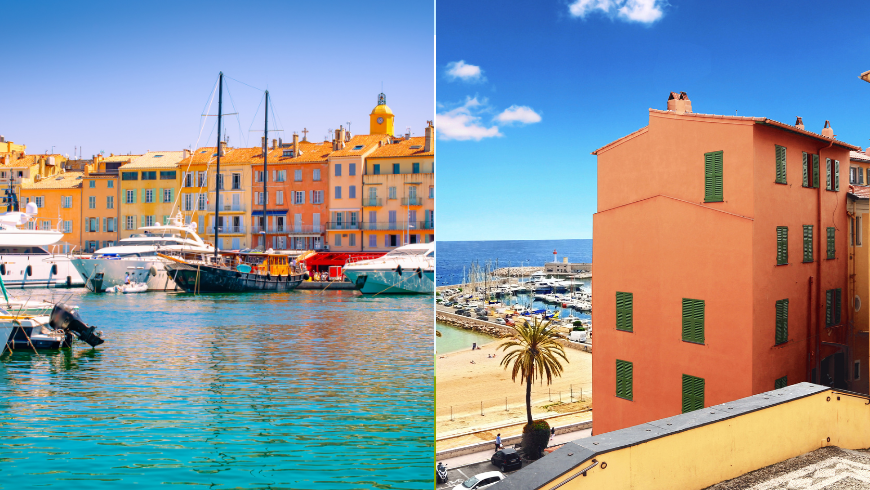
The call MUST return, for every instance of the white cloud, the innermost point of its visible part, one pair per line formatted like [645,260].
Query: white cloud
[463,124]
[644,11]
[465,72]
[518,113]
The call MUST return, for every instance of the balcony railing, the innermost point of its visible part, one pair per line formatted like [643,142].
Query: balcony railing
[399,225]
[290,229]
[227,229]
[228,207]
[372,202]
[334,225]
[412,201]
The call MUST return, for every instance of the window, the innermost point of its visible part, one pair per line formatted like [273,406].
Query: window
[315,175]
[297,175]
[237,181]
[833,304]
[351,192]
[351,170]
[40,201]
[130,222]
[808,243]
[373,241]
[316,197]
[693,393]
[624,311]
[282,176]
[92,184]
[338,192]
[781,245]
[66,201]
[397,168]
[351,240]
[859,230]
[391,193]
[279,197]
[358,147]
[201,202]
[131,196]
[833,175]
[805,170]
[337,240]
[624,379]
[853,174]
[780,165]
[111,184]
[288,153]
[67,226]
[45,225]
[377,169]
[187,202]
[149,195]
[338,170]
[431,192]
[167,195]
[201,179]
[781,321]
[150,175]
[110,224]
[780,383]
[416,168]
[129,175]
[832,233]
[298,197]
[693,320]
[110,201]
[220,181]
[167,175]
[148,220]
[92,202]
[713,176]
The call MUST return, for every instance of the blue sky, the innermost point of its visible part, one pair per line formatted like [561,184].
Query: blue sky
[134,76]
[543,84]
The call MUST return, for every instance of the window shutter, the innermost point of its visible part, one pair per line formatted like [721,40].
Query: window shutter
[829,319]
[693,320]
[781,245]
[143,220]
[808,243]
[693,393]
[831,242]
[836,175]
[815,171]
[838,305]
[782,321]
[713,176]
[828,173]
[624,379]
[806,170]
[780,164]
[105,224]
[780,383]
[624,311]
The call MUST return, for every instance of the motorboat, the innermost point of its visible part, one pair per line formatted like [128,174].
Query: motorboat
[409,269]
[136,259]
[54,330]
[25,262]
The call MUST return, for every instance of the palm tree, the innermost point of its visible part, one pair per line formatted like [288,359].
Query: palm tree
[533,356]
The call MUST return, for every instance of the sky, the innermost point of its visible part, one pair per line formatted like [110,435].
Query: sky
[121,77]
[527,90]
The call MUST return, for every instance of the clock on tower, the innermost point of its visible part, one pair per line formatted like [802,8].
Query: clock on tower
[381,121]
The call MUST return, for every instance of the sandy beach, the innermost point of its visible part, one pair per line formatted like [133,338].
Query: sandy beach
[466,378]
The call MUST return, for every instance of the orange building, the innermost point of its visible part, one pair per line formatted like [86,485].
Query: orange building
[59,199]
[721,264]
[101,194]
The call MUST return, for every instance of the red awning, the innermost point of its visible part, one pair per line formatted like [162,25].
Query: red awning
[322,260]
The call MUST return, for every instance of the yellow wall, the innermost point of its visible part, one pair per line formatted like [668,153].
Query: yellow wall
[105,185]
[705,455]
[52,211]
[139,208]
[423,227]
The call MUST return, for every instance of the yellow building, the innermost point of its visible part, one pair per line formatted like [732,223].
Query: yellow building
[59,198]
[858,208]
[234,201]
[23,169]
[10,148]
[101,198]
[399,194]
[148,190]
[381,118]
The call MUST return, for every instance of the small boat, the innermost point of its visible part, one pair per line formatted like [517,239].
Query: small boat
[52,331]
[133,287]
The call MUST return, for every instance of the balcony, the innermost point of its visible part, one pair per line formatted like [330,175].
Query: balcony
[334,225]
[372,202]
[228,230]
[228,208]
[412,201]
[399,225]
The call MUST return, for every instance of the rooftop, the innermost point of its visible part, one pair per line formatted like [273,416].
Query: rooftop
[360,144]
[412,147]
[859,156]
[155,159]
[66,180]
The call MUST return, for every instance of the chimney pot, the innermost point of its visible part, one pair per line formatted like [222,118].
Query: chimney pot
[263,142]
[429,130]
[679,103]
[799,123]
[828,131]
[296,144]
[274,144]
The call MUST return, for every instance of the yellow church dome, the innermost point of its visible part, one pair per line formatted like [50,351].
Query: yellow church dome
[381,119]
[382,109]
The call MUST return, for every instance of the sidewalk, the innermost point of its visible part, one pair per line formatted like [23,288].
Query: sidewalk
[472,458]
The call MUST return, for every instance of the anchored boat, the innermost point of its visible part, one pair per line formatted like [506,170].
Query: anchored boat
[406,270]
[236,272]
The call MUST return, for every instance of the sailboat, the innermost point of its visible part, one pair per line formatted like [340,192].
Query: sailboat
[236,271]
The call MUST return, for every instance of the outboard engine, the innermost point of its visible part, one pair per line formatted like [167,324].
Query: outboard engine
[67,318]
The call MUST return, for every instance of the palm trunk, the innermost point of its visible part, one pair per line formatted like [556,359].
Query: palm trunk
[529,399]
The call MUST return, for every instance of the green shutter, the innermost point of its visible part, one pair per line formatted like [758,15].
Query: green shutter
[806,171]
[693,320]
[836,175]
[713,176]
[838,294]
[624,312]
[816,171]
[828,173]
[832,233]
[829,299]
[143,195]
[781,245]
[143,220]
[624,379]
[693,393]
[165,219]
[780,383]
[780,165]
[808,243]
[782,321]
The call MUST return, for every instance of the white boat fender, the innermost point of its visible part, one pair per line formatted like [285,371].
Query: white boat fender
[153,271]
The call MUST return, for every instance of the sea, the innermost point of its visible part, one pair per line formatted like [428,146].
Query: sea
[303,389]
[452,257]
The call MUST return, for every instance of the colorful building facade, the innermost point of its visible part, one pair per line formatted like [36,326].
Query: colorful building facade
[234,200]
[859,268]
[59,199]
[101,198]
[148,190]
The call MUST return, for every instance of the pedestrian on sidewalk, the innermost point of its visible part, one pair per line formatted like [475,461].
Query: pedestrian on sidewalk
[497,442]
[552,435]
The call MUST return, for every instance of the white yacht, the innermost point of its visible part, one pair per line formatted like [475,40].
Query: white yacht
[406,270]
[24,260]
[136,257]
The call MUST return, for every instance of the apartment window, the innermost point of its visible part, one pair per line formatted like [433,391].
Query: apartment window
[352,216]
[780,165]
[111,184]
[150,175]
[624,311]
[373,241]
[279,197]
[282,176]
[187,201]
[237,181]
[431,192]
[131,222]
[298,197]
[188,179]
[131,196]
[338,170]
[693,320]
[202,201]
[416,167]
[780,383]
[148,220]
[297,175]
[40,201]
[67,226]
[110,224]
[376,170]
[337,240]
[713,176]
[220,181]
[832,234]
[859,230]
[693,393]
[808,243]
[316,197]
[110,201]
[167,175]
[833,175]
[833,306]
[149,195]
[45,225]
[351,192]
[781,245]
[66,201]
[167,195]
[201,179]
[624,379]
[315,175]
[351,241]
[338,192]
[397,168]
[92,184]
[782,321]
[808,179]
[391,194]
[853,174]
[129,175]
[868,176]
[92,201]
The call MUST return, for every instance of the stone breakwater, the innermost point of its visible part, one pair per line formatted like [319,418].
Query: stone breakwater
[465,323]
[516,271]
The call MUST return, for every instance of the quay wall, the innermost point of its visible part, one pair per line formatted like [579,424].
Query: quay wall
[494,329]
[332,285]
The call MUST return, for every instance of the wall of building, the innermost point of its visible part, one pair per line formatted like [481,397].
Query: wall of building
[140,209]
[105,187]
[345,204]
[423,226]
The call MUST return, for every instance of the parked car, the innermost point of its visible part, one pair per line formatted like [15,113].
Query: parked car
[482,317]
[500,321]
[506,459]
[480,480]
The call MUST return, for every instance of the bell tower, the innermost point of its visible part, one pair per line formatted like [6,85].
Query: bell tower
[381,118]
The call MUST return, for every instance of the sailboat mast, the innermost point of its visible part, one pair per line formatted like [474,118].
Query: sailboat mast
[265,172]
[217,188]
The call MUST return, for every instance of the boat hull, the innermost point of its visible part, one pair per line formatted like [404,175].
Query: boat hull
[39,271]
[114,273]
[209,279]
[388,281]
[19,337]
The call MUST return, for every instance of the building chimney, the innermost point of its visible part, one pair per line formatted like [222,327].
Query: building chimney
[2,139]
[828,131]
[679,103]
[296,144]
[263,143]
[87,170]
[280,143]
[342,135]
[223,148]
[429,129]
[186,154]
[338,142]
[41,166]
[799,123]
[274,144]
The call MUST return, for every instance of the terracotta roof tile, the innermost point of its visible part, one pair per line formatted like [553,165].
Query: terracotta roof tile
[66,180]
[412,147]
[365,141]
[156,159]
[311,153]
[859,156]
[859,191]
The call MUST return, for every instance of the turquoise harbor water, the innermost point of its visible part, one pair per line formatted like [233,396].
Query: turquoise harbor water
[291,390]
[454,339]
